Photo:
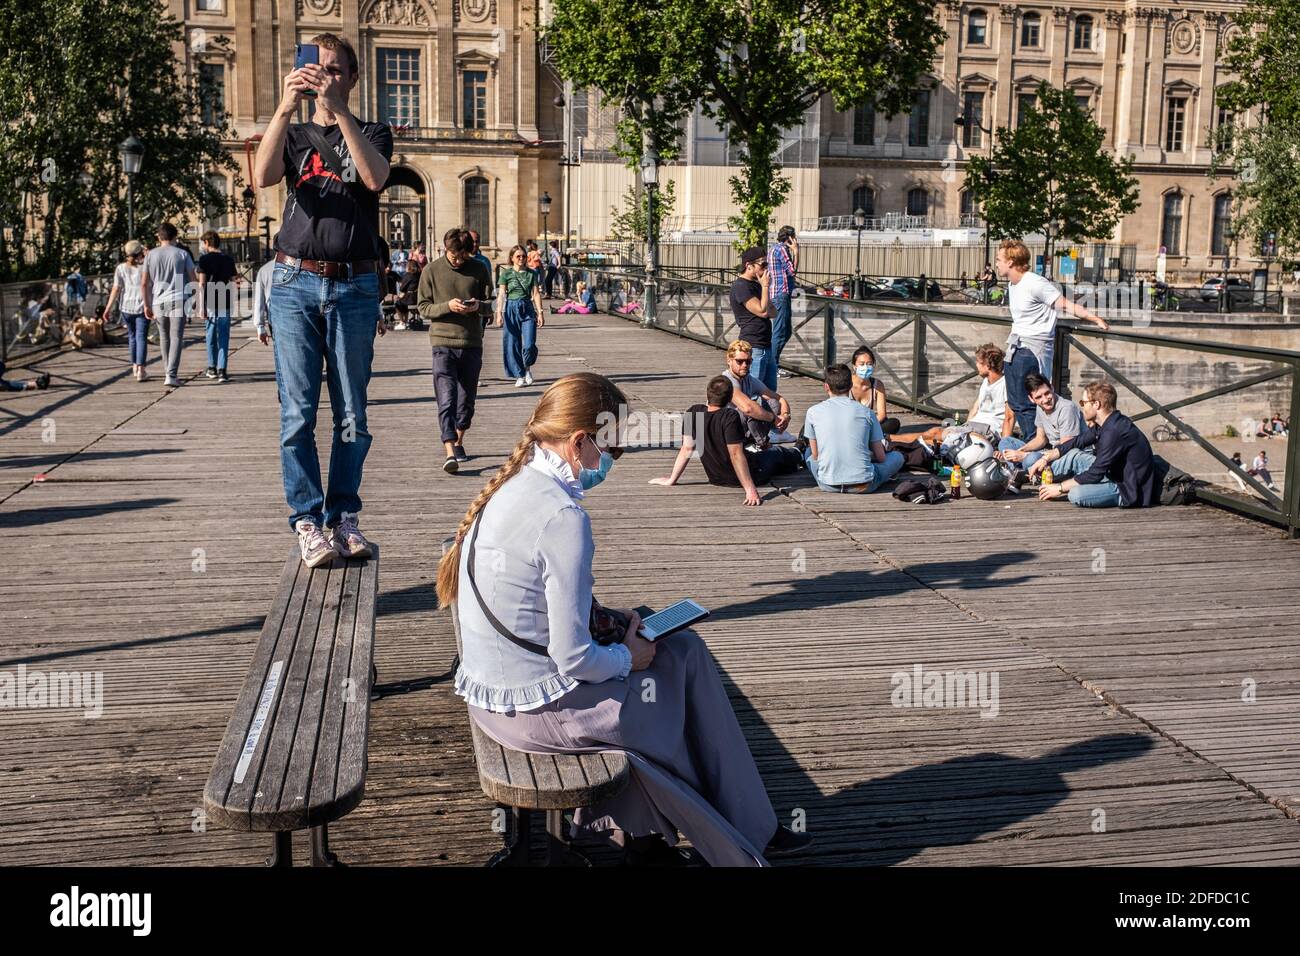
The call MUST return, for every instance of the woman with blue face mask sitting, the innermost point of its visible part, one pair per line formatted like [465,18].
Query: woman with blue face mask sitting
[536,680]
[868,390]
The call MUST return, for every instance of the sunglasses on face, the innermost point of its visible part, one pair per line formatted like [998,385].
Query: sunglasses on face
[741,361]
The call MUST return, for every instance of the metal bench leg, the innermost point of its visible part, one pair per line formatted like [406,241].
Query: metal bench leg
[559,850]
[519,836]
[320,848]
[281,849]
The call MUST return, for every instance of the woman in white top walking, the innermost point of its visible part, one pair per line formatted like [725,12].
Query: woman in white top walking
[535,680]
[126,286]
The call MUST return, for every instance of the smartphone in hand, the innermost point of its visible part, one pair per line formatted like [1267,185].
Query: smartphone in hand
[307,53]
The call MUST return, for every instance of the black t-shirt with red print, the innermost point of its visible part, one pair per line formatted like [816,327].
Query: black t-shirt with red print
[323,216]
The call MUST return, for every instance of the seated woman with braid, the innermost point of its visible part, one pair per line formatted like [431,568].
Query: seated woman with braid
[535,680]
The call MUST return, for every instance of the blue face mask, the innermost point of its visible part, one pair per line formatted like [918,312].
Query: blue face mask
[864,371]
[591,477]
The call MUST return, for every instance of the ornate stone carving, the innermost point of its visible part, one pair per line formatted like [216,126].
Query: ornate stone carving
[1116,18]
[321,9]
[1007,13]
[1060,15]
[1183,39]
[398,13]
[474,11]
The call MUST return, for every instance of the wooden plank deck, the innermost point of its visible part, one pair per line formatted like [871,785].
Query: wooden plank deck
[151,551]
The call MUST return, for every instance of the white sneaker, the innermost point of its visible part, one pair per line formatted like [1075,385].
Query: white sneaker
[172,383]
[312,544]
[528,378]
[520,383]
[780,438]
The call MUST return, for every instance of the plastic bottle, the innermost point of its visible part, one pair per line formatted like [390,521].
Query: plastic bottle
[955,481]
[1047,474]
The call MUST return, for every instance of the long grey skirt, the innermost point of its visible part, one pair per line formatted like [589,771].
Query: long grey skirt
[691,769]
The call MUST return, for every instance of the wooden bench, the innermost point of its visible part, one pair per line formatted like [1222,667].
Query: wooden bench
[294,753]
[522,783]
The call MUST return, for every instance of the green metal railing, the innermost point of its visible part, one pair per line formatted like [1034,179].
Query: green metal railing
[823,328]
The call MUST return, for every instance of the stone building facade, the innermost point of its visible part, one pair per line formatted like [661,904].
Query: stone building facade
[459,80]
[1148,73]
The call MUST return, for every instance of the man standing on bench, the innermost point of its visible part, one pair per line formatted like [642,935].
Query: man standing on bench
[325,291]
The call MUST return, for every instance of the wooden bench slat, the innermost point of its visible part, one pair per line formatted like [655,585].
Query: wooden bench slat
[265,808]
[530,780]
[350,782]
[307,752]
[594,767]
[227,801]
[325,772]
[572,776]
[546,776]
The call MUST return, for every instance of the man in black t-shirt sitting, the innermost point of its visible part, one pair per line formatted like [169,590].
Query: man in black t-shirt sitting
[216,273]
[325,293]
[720,432]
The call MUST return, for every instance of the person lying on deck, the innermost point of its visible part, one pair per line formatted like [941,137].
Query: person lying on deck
[718,429]
[990,415]
[535,679]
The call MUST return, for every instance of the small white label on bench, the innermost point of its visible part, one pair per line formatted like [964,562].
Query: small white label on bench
[259,721]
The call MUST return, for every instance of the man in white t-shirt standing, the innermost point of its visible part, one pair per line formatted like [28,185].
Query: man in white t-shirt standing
[1035,302]
[990,415]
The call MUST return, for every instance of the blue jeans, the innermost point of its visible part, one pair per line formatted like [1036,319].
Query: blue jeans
[1103,494]
[763,368]
[780,331]
[1011,443]
[519,337]
[1024,360]
[878,473]
[330,321]
[216,331]
[137,331]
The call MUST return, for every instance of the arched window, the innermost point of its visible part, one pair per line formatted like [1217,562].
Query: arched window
[969,214]
[216,214]
[977,27]
[1030,29]
[918,201]
[865,199]
[1219,228]
[1171,229]
[477,207]
[1083,33]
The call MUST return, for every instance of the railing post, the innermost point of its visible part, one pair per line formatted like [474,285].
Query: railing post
[828,337]
[1291,476]
[1061,361]
[920,364]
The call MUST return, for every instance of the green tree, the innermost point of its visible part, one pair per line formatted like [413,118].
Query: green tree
[754,65]
[1264,156]
[1053,168]
[629,223]
[765,62]
[76,78]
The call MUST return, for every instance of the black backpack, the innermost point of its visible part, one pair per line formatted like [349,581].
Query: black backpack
[1177,487]
[921,491]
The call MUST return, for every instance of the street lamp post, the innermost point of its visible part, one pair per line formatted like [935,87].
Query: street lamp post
[545,205]
[1225,299]
[131,152]
[266,232]
[859,223]
[250,198]
[650,179]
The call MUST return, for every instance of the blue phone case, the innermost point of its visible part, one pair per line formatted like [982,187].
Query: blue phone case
[306,53]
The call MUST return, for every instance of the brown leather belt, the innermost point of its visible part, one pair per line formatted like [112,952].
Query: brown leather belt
[329,270]
[860,489]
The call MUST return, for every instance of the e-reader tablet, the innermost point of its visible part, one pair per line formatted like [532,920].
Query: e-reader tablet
[670,619]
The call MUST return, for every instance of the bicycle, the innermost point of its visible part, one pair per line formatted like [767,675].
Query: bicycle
[1166,432]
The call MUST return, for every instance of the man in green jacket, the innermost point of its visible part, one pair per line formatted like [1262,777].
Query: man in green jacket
[453,298]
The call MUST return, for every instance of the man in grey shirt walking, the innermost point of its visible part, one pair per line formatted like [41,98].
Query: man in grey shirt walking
[166,282]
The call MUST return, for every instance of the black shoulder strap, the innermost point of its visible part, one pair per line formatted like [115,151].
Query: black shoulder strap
[331,159]
[492,618]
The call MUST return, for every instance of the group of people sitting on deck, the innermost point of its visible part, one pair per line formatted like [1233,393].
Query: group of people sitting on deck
[850,445]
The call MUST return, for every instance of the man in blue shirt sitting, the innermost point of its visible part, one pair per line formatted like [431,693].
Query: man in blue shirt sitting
[1116,470]
[845,448]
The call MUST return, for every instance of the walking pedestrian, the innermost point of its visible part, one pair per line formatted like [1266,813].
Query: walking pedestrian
[126,294]
[519,313]
[453,297]
[325,291]
[782,264]
[216,271]
[166,280]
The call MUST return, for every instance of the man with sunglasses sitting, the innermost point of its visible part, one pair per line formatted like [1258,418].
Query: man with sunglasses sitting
[763,411]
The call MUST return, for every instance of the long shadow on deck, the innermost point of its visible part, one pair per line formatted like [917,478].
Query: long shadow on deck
[809,592]
[42,516]
[887,820]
